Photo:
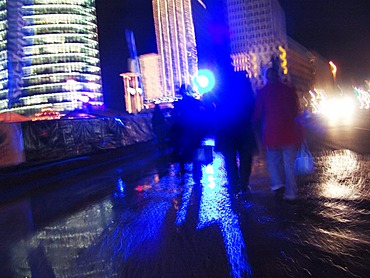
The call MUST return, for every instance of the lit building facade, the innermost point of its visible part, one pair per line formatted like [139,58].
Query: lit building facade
[176,44]
[301,69]
[149,66]
[258,38]
[49,55]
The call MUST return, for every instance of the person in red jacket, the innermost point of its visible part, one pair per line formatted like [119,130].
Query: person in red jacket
[277,109]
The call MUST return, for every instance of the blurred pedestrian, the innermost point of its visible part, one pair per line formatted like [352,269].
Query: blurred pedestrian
[186,131]
[159,125]
[209,115]
[235,136]
[276,111]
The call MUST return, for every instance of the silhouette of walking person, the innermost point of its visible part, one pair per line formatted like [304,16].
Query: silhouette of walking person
[186,131]
[159,125]
[235,135]
[277,110]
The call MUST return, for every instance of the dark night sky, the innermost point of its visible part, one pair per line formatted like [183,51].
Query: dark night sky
[337,29]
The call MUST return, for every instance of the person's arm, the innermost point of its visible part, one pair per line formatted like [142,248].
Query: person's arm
[296,104]
[258,111]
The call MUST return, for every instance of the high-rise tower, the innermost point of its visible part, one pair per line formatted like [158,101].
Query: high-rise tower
[257,35]
[49,55]
[176,44]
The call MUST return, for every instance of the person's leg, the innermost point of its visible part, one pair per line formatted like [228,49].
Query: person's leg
[289,156]
[274,163]
[245,168]
[182,152]
[231,169]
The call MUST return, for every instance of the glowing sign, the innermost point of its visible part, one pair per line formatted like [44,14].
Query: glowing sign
[284,62]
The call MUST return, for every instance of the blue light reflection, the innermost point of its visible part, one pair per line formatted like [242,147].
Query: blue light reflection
[181,213]
[136,232]
[120,188]
[215,208]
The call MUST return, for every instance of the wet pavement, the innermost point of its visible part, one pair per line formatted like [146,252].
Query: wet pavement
[130,214]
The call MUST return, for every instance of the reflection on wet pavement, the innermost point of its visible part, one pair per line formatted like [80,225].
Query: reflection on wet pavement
[167,225]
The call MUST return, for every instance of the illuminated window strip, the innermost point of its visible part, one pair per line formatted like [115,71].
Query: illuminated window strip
[76,2]
[63,86]
[62,94]
[80,64]
[89,85]
[87,29]
[83,18]
[48,36]
[52,85]
[61,106]
[45,23]
[68,74]
[63,26]
[57,55]
[60,46]
[48,57]
[58,6]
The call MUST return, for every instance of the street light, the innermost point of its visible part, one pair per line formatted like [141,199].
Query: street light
[204,81]
[333,69]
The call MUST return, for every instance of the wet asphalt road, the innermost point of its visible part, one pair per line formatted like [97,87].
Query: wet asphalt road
[129,214]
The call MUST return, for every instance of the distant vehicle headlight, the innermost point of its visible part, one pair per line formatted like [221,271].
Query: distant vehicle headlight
[339,110]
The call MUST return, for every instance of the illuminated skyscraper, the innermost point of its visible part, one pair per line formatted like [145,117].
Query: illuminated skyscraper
[176,44]
[49,55]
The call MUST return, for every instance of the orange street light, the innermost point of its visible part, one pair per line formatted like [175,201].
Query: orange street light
[333,69]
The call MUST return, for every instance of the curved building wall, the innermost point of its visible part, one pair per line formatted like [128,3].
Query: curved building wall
[3,57]
[60,64]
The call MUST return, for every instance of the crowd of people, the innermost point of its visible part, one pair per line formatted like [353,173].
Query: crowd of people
[238,118]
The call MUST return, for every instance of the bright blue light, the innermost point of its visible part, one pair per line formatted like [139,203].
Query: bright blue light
[208,142]
[204,81]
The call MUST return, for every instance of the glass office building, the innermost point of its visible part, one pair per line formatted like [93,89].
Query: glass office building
[49,55]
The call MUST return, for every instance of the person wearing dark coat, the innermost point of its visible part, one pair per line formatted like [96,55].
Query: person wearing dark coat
[235,135]
[186,131]
[159,125]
